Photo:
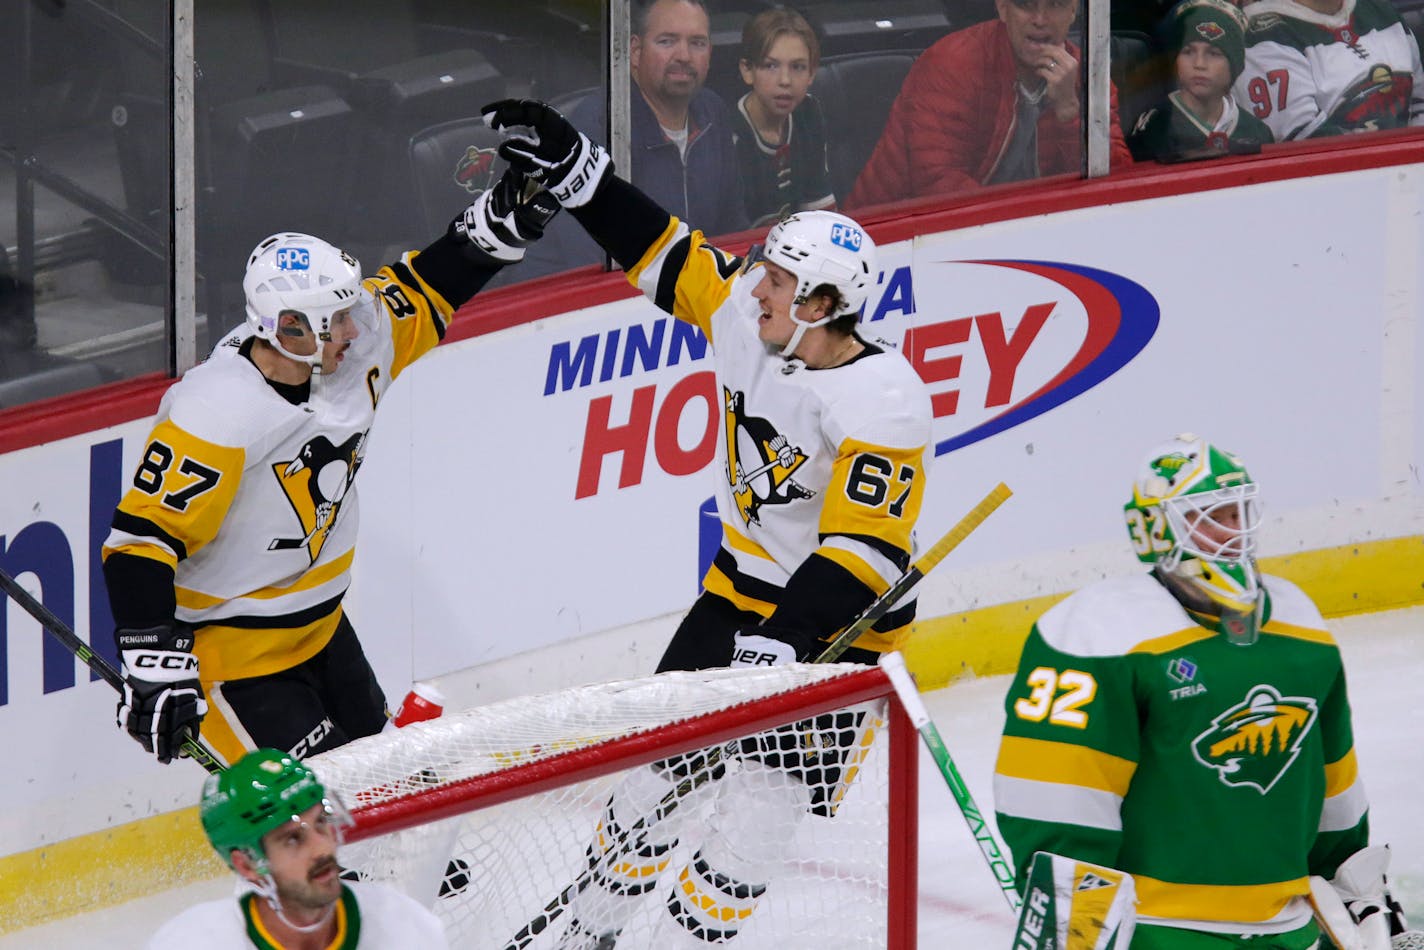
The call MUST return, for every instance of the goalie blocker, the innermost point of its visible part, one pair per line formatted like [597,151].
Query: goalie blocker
[1074,905]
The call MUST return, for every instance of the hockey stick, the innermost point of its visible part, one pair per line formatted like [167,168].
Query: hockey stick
[882,604]
[894,666]
[194,747]
[635,833]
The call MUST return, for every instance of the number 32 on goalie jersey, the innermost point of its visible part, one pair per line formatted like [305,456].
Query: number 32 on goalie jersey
[1058,697]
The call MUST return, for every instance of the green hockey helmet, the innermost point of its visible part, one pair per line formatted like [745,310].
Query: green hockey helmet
[258,793]
[1194,512]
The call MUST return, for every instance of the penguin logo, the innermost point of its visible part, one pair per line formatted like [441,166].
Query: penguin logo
[760,461]
[315,483]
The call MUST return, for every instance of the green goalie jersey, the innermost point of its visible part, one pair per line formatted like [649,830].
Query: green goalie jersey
[1219,776]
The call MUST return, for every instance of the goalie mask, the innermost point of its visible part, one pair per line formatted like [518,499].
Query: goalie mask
[301,274]
[820,247]
[259,793]
[1194,513]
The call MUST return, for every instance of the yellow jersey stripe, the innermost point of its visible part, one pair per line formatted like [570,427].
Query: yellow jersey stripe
[740,542]
[150,551]
[1340,775]
[716,582]
[857,567]
[197,600]
[1040,760]
[1309,634]
[1173,641]
[234,653]
[1248,903]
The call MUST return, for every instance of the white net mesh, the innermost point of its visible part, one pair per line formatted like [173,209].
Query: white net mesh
[777,838]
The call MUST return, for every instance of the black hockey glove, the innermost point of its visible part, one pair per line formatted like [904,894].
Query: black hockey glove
[770,646]
[508,217]
[545,146]
[163,701]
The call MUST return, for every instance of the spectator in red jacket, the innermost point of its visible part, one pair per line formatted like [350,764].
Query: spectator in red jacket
[996,102]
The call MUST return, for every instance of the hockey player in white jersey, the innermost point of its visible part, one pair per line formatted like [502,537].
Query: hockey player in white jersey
[821,473]
[1327,67]
[273,822]
[230,553]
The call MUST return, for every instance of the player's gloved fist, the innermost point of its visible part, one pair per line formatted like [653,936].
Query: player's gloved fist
[163,701]
[1362,886]
[506,218]
[754,649]
[545,146]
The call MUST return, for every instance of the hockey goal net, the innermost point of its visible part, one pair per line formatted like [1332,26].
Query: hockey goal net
[495,809]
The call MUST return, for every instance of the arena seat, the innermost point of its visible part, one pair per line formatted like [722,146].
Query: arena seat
[856,91]
[450,164]
[1138,73]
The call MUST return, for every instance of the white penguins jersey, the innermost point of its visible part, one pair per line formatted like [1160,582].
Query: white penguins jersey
[368,917]
[1310,73]
[251,500]
[825,461]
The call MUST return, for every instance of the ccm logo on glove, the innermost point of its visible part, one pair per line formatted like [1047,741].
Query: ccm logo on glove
[175,662]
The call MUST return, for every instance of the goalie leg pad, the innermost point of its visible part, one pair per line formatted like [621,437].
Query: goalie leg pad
[1074,905]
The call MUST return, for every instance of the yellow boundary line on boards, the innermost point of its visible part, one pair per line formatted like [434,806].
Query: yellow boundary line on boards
[165,851]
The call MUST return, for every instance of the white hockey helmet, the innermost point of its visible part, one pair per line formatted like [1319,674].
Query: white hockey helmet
[297,273]
[822,247]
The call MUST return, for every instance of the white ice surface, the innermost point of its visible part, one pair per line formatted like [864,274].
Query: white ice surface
[960,905]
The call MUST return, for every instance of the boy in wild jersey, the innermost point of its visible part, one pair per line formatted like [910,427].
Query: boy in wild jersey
[1190,726]
[1200,119]
[230,554]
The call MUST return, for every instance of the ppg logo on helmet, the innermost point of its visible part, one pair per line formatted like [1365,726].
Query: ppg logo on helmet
[293,258]
[843,235]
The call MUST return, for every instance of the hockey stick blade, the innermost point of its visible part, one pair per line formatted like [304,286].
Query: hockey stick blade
[879,607]
[193,748]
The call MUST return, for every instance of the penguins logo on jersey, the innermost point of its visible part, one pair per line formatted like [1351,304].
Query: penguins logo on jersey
[760,461]
[315,482]
[1255,741]
[474,172]
[1377,100]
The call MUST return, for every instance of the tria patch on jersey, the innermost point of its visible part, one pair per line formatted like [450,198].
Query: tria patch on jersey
[1254,742]
[760,461]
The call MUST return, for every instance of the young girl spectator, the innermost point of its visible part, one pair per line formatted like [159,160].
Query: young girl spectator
[780,138]
[1200,118]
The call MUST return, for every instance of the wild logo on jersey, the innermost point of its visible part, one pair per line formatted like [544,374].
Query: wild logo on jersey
[1255,741]
[760,461]
[1377,100]
[315,483]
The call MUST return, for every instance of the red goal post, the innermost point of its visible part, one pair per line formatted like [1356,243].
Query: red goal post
[496,805]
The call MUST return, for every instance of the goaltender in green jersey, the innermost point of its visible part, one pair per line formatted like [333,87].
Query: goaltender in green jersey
[1190,727]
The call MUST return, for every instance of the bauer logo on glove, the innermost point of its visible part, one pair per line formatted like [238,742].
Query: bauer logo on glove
[544,145]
